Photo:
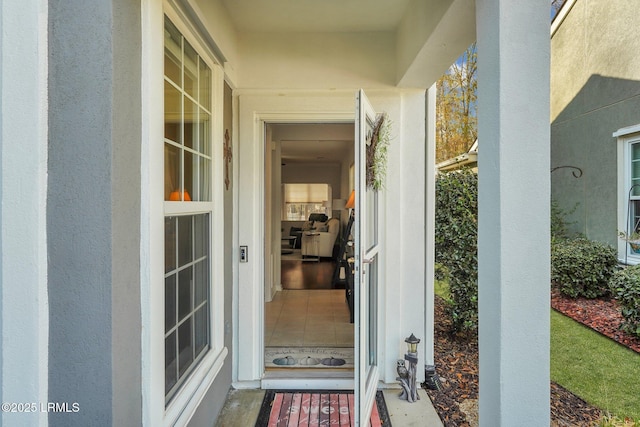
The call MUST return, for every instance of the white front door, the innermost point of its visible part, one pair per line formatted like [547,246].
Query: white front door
[366,268]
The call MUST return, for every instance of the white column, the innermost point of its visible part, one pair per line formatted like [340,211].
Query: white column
[430,213]
[24,316]
[513,242]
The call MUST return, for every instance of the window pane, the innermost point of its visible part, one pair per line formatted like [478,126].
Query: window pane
[201,329]
[635,169]
[635,186]
[202,282]
[170,362]
[190,175]
[204,124]
[635,152]
[185,240]
[205,184]
[201,231]
[172,112]
[190,120]
[169,244]
[185,346]
[185,279]
[635,216]
[205,86]
[172,164]
[190,69]
[172,52]
[169,302]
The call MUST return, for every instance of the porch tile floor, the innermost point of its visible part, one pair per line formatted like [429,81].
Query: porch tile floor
[308,318]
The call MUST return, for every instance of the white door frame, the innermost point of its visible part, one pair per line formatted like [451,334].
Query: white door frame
[403,278]
[249,308]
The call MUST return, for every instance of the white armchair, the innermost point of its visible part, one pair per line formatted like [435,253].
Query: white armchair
[319,243]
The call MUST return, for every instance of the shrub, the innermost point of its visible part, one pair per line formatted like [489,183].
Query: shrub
[625,287]
[559,223]
[456,243]
[582,267]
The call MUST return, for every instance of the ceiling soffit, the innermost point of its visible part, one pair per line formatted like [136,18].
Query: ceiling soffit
[316,15]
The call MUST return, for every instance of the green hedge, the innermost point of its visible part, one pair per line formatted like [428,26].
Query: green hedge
[582,267]
[625,287]
[456,243]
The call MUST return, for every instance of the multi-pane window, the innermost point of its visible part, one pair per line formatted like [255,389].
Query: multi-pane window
[634,187]
[186,290]
[187,127]
[187,179]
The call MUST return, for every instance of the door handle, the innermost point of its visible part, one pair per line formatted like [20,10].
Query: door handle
[368,260]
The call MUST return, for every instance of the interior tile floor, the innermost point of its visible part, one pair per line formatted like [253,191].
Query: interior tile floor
[317,318]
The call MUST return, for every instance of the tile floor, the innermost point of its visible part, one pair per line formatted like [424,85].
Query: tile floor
[308,318]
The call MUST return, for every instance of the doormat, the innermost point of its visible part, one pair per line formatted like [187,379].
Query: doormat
[288,408]
[308,357]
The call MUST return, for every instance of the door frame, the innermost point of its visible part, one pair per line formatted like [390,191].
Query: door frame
[249,292]
[402,217]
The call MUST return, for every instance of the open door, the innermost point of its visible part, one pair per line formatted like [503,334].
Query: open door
[366,268]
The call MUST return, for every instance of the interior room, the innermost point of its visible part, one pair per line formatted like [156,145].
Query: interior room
[311,178]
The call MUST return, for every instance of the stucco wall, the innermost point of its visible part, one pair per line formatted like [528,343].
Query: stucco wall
[595,88]
[93,217]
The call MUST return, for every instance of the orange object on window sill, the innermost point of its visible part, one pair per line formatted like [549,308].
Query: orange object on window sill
[175,196]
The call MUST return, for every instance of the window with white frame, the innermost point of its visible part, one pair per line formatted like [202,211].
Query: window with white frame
[188,208]
[634,186]
[301,200]
[629,193]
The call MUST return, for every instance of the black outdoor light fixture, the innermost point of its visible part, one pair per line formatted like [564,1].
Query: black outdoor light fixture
[412,344]
[407,375]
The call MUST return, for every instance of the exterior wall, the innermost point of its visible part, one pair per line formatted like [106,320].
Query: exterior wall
[93,215]
[24,319]
[595,88]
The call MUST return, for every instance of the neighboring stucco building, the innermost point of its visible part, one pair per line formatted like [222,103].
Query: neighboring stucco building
[595,110]
[134,273]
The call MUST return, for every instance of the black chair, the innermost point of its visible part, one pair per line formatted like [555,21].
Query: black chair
[318,217]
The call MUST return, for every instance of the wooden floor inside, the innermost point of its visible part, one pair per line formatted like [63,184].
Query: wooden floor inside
[298,274]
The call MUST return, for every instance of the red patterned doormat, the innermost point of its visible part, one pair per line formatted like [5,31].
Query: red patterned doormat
[307,408]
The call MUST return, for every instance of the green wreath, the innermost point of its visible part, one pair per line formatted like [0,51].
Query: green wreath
[377,149]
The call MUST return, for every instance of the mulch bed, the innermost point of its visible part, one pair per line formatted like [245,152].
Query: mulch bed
[456,359]
[600,314]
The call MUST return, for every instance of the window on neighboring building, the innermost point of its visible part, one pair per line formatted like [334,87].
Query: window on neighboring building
[628,191]
[634,186]
[187,180]
[300,200]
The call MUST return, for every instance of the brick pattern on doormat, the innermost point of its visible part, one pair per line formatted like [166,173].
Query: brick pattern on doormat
[307,408]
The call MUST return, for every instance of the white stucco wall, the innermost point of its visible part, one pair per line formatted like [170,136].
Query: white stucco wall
[24,317]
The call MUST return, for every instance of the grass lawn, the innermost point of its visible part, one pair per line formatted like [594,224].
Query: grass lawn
[599,370]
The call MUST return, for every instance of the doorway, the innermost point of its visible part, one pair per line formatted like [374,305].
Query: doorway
[307,318]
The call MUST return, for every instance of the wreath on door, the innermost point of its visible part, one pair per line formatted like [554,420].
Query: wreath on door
[377,146]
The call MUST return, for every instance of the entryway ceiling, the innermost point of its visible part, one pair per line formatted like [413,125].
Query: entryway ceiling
[314,143]
[316,15]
